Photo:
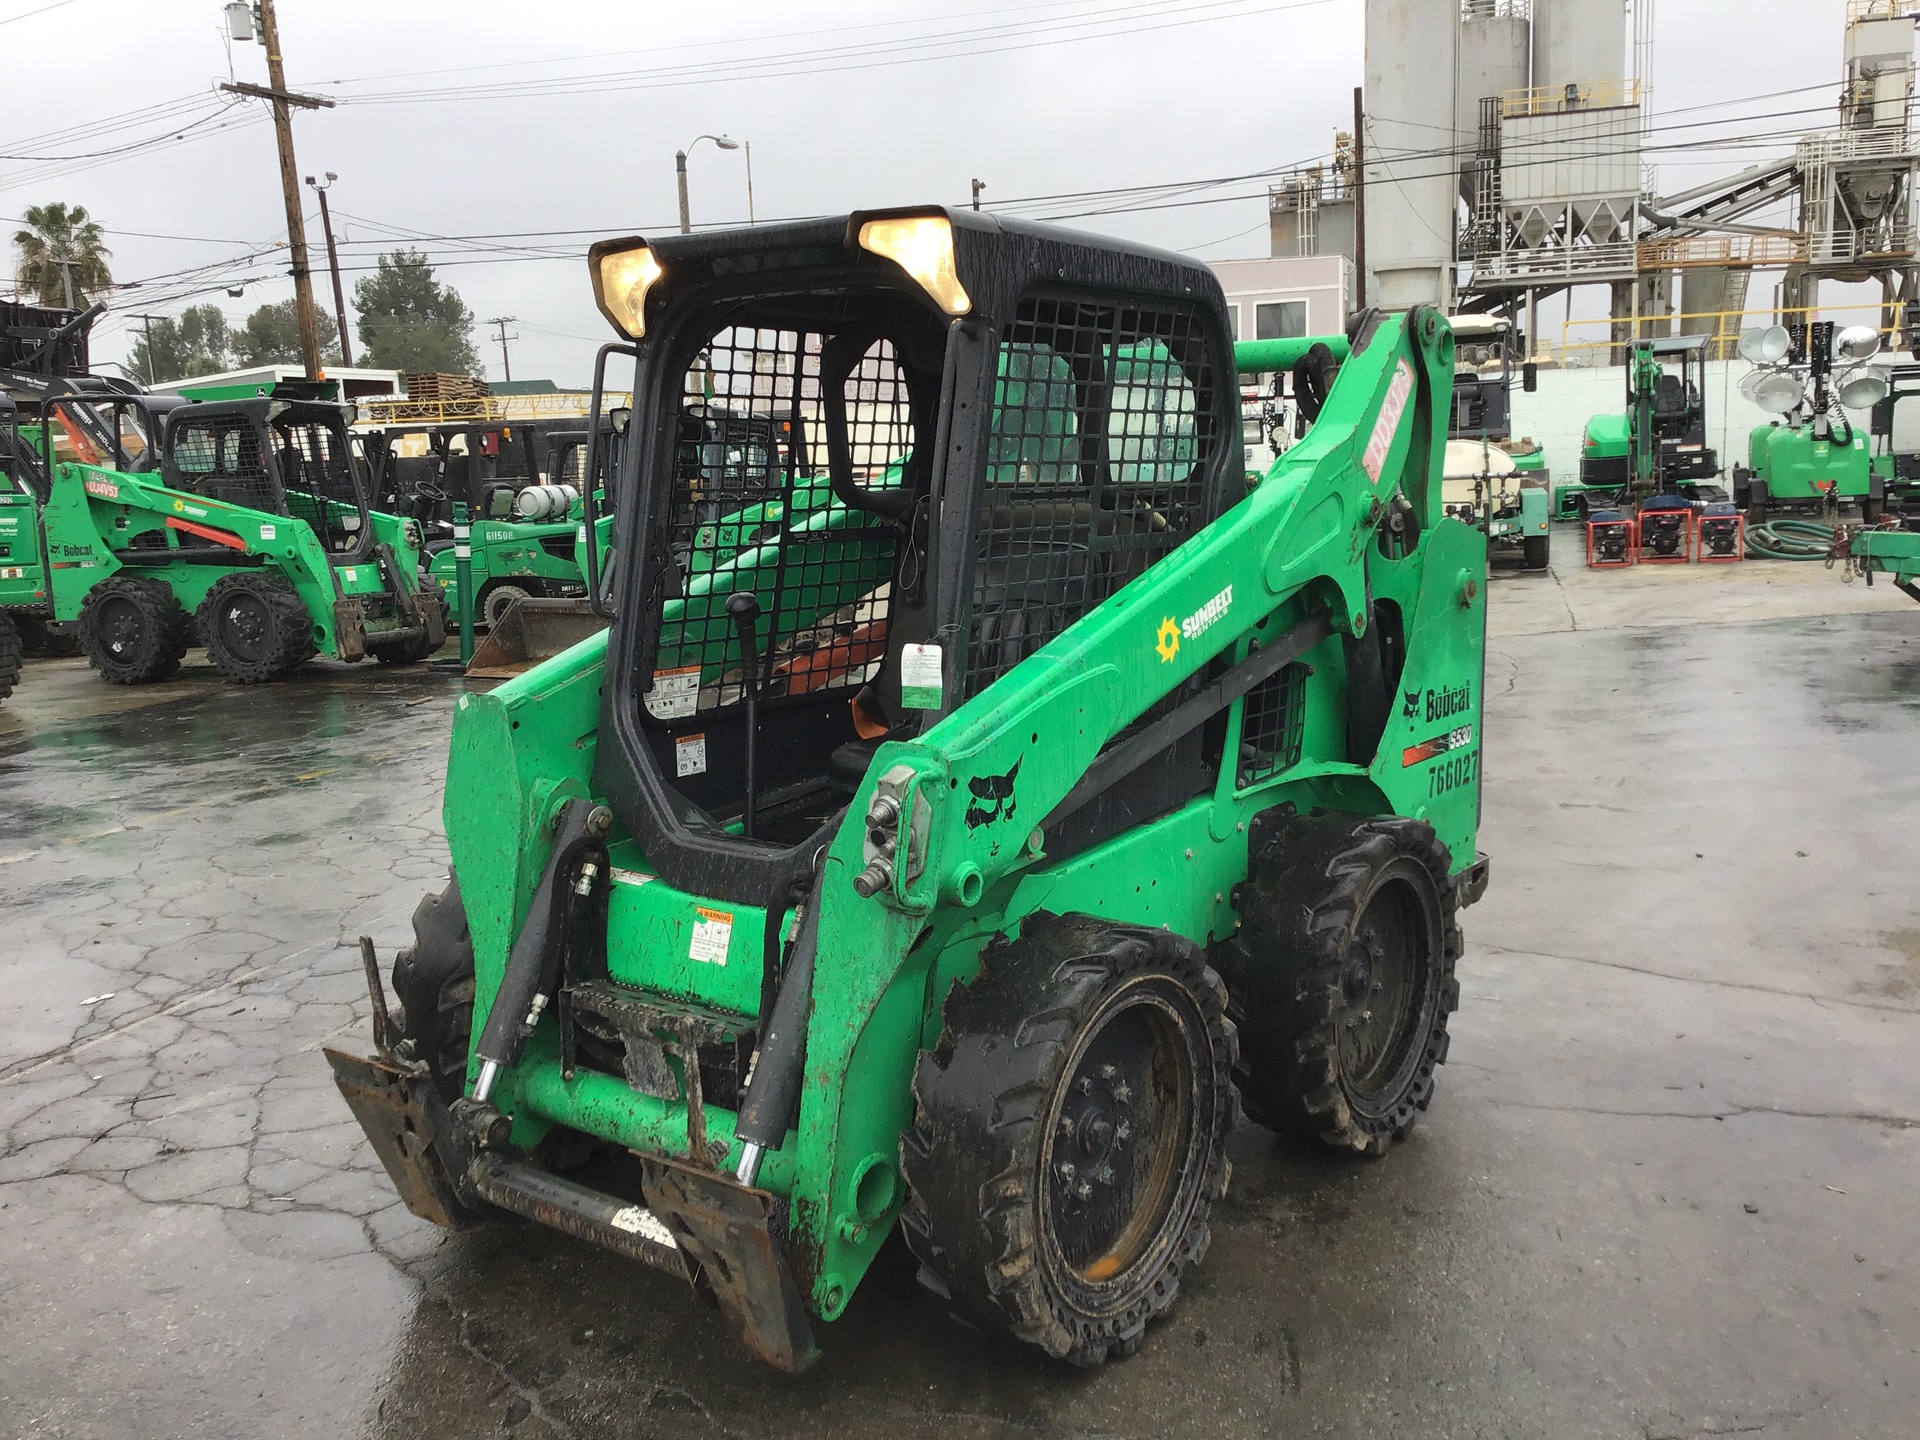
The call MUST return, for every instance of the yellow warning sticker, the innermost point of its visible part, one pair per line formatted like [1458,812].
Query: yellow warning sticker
[712,935]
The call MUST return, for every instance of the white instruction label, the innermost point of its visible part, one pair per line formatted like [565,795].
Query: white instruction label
[675,694]
[712,934]
[689,755]
[629,877]
[921,687]
[267,532]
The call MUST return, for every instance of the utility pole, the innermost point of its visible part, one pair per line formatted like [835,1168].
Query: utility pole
[333,264]
[146,329]
[978,186]
[283,102]
[501,322]
[1359,201]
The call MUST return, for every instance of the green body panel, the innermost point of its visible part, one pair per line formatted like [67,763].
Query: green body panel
[93,512]
[1302,542]
[23,576]
[1796,466]
[1533,462]
[1893,553]
[1607,437]
[516,552]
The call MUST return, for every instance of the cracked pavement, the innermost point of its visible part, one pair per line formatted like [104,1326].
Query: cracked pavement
[1665,1191]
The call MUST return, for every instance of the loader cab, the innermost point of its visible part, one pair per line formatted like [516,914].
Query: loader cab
[954,435]
[1483,378]
[290,458]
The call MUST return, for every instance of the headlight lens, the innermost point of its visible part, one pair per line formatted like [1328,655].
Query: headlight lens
[921,245]
[624,278]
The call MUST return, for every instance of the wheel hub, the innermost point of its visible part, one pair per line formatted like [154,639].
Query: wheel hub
[244,625]
[1096,1123]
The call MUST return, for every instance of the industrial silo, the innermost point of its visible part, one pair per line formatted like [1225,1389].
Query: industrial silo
[1410,151]
[1579,42]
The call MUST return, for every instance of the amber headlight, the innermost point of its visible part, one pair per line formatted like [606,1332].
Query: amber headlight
[921,245]
[621,280]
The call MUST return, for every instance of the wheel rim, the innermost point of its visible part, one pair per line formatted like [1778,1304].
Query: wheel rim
[120,626]
[1385,992]
[246,627]
[1125,1133]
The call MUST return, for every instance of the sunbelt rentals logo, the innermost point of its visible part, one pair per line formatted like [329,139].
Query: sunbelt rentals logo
[1172,632]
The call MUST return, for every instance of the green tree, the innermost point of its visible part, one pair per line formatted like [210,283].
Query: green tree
[412,323]
[196,344]
[63,255]
[271,336]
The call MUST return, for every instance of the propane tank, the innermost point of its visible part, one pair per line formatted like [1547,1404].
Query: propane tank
[545,502]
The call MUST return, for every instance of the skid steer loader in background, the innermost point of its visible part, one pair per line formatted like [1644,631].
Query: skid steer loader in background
[247,515]
[961,854]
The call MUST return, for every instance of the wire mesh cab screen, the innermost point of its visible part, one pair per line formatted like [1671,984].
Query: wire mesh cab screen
[316,468]
[221,457]
[751,511]
[1103,424]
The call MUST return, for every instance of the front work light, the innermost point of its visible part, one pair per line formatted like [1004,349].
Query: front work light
[623,279]
[921,245]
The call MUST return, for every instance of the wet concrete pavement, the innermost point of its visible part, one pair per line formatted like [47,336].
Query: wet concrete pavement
[1666,1189]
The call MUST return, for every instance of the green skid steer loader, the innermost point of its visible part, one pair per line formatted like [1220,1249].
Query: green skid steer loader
[247,515]
[960,855]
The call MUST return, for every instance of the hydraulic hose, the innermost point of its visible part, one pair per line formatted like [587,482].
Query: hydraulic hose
[1790,540]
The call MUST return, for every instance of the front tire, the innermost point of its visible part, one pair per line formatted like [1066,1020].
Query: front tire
[1536,551]
[255,627]
[134,630]
[1343,978]
[495,603]
[1070,1135]
[431,601]
[434,979]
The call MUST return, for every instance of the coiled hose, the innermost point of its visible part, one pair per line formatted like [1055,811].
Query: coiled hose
[1790,540]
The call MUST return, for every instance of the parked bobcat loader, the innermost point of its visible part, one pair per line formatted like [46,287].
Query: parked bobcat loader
[961,854]
[248,515]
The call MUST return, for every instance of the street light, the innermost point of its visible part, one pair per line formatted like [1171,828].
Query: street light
[333,264]
[680,174]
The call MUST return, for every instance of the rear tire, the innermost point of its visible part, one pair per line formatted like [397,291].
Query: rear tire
[494,603]
[10,651]
[1536,551]
[1342,975]
[134,630]
[434,979]
[255,627]
[1070,1135]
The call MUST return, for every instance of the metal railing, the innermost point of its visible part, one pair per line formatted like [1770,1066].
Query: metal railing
[1500,9]
[1693,251]
[1564,99]
[1725,326]
[487,408]
[1862,11]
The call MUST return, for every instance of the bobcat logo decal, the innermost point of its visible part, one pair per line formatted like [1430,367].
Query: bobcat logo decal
[995,788]
[1412,706]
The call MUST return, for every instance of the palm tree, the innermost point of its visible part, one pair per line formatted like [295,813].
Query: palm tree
[62,254]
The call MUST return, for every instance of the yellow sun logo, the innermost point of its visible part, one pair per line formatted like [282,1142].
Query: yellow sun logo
[1168,643]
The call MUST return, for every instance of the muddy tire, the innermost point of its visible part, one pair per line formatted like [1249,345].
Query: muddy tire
[496,601]
[1536,551]
[1342,976]
[433,978]
[1069,1141]
[428,598]
[255,627]
[133,629]
[9,655]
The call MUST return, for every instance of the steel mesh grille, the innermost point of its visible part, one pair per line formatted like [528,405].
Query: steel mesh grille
[316,466]
[1103,423]
[1273,725]
[220,458]
[751,511]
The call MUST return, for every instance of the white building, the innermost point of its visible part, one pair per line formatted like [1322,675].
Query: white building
[1280,297]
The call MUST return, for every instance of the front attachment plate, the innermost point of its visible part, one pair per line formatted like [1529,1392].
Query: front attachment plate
[727,1229]
[401,1114]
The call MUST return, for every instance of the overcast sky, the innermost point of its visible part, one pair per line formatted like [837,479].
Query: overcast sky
[846,105]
